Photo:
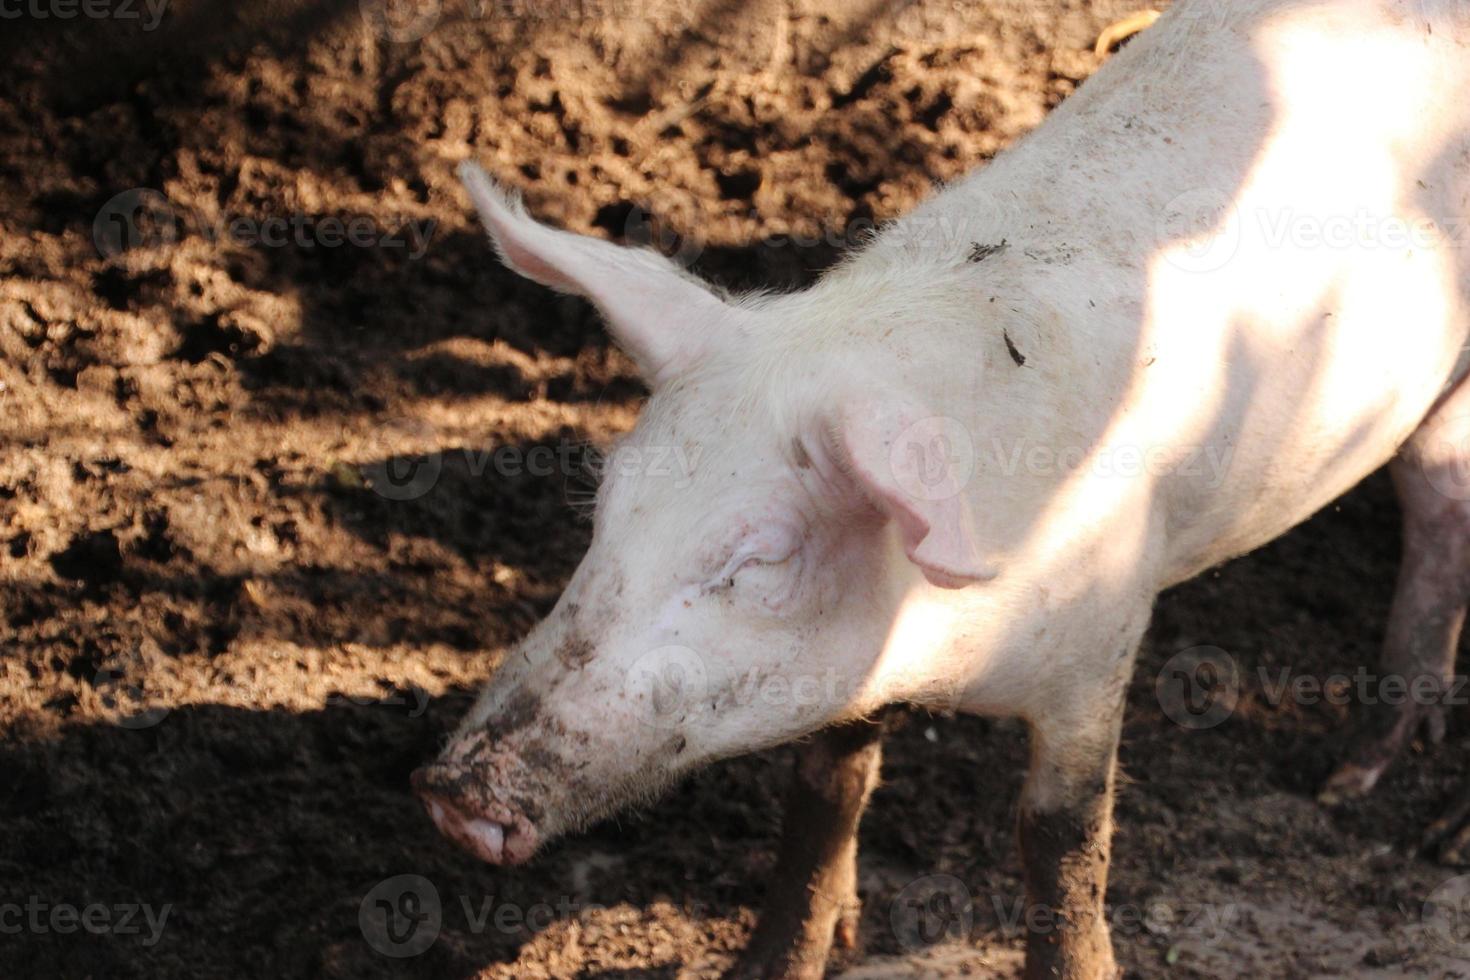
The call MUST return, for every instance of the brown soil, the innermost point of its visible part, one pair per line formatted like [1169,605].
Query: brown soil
[223,647]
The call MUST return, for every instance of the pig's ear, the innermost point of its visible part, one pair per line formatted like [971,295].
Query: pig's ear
[913,467]
[659,315]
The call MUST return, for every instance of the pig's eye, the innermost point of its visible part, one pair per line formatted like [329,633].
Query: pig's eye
[764,578]
[758,560]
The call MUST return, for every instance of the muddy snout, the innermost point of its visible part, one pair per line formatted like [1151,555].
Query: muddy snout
[462,803]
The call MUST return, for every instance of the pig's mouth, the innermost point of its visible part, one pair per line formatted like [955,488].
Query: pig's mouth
[491,831]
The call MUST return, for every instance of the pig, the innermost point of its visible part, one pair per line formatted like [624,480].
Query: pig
[1210,293]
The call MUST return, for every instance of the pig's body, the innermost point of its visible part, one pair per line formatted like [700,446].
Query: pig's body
[1278,376]
[957,471]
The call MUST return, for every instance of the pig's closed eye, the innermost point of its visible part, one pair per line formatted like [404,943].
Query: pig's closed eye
[741,564]
[756,558]
[755,561]
[769,581]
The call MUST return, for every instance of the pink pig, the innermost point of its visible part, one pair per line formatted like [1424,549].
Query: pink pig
[1219,286]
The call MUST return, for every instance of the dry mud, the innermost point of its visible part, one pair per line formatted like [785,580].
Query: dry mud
[223,646]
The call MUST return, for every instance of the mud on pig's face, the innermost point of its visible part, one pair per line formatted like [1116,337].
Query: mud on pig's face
[717,612]
[752,542]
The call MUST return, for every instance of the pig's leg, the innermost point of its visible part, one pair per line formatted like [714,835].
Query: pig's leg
[814,899]
[1066,832]
[1429,600]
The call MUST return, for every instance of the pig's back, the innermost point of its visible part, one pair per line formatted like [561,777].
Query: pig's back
[1256,214]
[1327,311]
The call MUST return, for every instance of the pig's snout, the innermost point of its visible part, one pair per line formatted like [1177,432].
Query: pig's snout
[491,831]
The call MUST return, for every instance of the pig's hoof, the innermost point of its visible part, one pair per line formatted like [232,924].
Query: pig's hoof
[778,968]
[1377,749]
[800,962]
[751,969]
[780,955]
[1349,782]
[1449,836]
[845,933]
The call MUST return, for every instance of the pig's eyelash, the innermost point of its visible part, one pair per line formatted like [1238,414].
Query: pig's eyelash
[584,482]
[726,577]
[582,502]
[592,459]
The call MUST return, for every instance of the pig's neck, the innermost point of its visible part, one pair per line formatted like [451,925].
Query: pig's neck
[1034,357]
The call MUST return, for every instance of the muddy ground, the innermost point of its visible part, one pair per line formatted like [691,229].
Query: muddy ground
[227,633]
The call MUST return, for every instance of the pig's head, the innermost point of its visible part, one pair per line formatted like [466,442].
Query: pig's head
[753,539]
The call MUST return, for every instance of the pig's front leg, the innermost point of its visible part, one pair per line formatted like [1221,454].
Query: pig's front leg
[813,900]
[1066,829]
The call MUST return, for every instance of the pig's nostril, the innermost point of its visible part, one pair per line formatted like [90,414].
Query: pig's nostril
[419,780]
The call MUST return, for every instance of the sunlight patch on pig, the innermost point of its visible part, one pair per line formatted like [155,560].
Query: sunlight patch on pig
[1279,269]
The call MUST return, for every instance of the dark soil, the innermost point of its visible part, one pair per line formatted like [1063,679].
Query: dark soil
[224,643]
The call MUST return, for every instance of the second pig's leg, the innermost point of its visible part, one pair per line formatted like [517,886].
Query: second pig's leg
[1432,477]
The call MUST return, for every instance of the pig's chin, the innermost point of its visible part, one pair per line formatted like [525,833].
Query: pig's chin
[493,833]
